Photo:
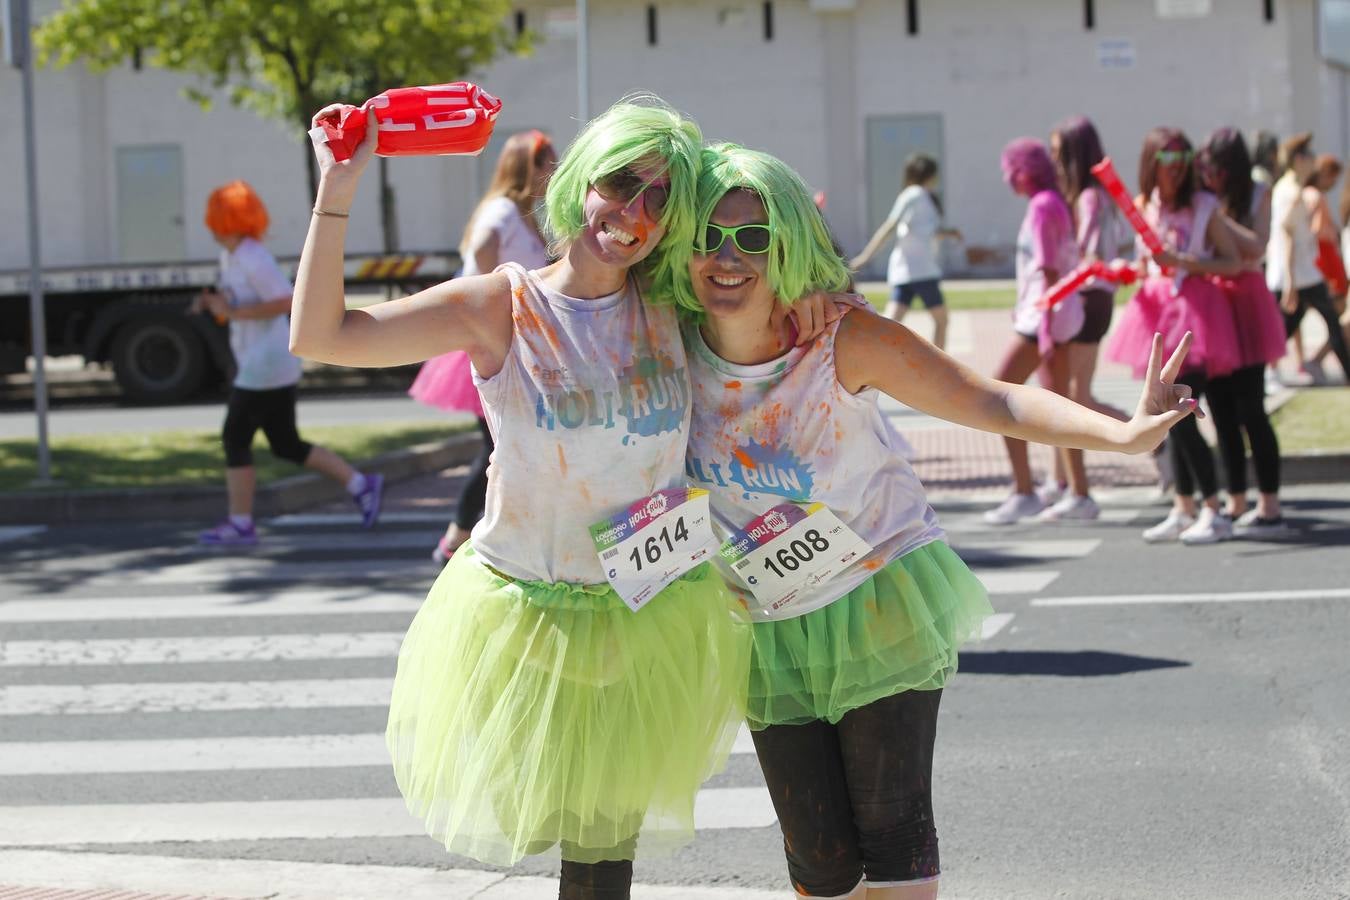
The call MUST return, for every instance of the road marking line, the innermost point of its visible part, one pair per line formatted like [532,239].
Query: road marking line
[216,754]
[306,520]
[1226,597]
[992,625]
[247,567]
[19,532]
[211,605]
[1030,581]
[1028,549]
[124,823]
[255,648]
[253,879]
[191,696]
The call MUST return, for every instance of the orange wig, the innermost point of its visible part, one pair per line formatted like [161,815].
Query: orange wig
[234,209]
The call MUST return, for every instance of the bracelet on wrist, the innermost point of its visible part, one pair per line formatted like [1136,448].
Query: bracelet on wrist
[331,212]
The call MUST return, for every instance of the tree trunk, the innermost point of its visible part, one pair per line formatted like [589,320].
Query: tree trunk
[388,209]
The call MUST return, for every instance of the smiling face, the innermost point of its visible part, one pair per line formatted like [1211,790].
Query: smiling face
[731,283]
[1172,167]
[624,232]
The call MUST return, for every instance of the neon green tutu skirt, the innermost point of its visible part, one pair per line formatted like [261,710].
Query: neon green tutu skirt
[527,715]
[898,631]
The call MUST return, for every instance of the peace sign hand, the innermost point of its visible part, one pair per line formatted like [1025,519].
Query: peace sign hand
[1163,402]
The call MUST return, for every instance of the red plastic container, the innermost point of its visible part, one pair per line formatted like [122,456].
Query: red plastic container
[417,121]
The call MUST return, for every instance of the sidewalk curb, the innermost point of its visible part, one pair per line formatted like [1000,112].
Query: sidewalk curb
[288,495]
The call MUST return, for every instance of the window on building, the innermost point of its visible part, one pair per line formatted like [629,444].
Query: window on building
[911,16]
[520,23]
[651,24]
[1268,9]
[768,20]
[1333,31]
[1089,15]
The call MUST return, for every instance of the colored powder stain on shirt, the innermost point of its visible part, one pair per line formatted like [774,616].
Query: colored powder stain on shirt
[871,565]
[733,385]
[562,462]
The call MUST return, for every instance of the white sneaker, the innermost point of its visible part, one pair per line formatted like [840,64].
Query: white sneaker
[1071,507]
[1314,371]
[1250,524]
[1273,383]
[1017,506]
[1209,528]
[1049,492]
[1170,528]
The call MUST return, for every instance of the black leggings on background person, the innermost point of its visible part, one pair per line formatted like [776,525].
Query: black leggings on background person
[474,493]
[1238,404]
[1319,298]
[274,412]
[855,799]
[1192,460]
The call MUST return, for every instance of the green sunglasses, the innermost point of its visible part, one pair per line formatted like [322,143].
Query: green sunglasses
[747,238]
[1168,157]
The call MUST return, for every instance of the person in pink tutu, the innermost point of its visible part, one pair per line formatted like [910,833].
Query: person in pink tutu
[1047,249]
[502,229]
[1237,400]
[1175,298]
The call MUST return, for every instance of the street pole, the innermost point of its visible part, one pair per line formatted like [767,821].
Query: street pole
[583,63]
[18,47]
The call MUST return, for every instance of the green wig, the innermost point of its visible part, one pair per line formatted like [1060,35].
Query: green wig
[801,254]
[638,128]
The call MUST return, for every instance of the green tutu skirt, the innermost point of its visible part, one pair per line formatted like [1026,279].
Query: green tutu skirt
[527,715]
[897,631]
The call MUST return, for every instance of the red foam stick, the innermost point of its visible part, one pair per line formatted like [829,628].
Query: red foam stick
[416,121]
[1106,174]
[1118,271]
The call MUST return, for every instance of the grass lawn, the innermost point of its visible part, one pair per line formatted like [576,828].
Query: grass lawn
[1315,419]
[177,458]
[963,298]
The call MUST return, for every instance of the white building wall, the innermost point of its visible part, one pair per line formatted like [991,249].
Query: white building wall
[993,70]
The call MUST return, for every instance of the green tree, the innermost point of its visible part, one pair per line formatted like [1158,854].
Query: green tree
[285,60]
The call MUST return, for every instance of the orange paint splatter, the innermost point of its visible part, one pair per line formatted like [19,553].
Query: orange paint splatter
[733,385]
[871,565]
[562,461]
[743,457]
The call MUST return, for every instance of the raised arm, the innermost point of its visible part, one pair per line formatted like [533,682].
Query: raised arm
[871,351]
[874,244]
[472,314]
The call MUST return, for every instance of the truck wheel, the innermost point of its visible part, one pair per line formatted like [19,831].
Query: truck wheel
[158,359]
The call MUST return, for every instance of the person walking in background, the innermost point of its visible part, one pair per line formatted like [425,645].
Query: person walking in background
[1291,255]
[1326,225]
[1237,400]
[502,229]
[913,270]
[1198,243]
[1265,159]
[1047,249]
[255,299]
[1076,148]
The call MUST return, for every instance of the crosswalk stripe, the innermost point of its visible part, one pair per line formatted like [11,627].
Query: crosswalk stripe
[188,696]
[211,605]
[1029,581]
[216,754]
[19,532]
[287,880]
[1217,597]
[255,648]
[992,625]
[44,826]
[308,520]
[1029,549]
[237,568]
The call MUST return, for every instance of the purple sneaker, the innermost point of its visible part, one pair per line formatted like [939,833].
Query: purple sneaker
[228,534]
[368,501]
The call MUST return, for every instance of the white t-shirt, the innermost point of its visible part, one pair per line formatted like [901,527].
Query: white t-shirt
[1287,199]
[917,221]
[517,242]
[250,275]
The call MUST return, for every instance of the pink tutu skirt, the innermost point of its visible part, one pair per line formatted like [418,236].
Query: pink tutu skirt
[1256,315]
[446,382]
[1199,307]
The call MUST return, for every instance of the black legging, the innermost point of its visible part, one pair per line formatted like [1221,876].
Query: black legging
[604,880]
[1319,298]
[1192,459]
[474,493]
[857,797]
[1238,403]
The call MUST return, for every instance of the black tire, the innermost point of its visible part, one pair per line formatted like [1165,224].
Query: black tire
[158,359]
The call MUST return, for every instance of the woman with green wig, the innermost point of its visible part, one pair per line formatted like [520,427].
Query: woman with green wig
[533,708]
[858,605]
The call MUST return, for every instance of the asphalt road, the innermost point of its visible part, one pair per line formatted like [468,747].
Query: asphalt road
[1139,721]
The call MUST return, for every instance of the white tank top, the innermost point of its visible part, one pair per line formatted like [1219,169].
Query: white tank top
[590,413]
[787,431]
[1287,199]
